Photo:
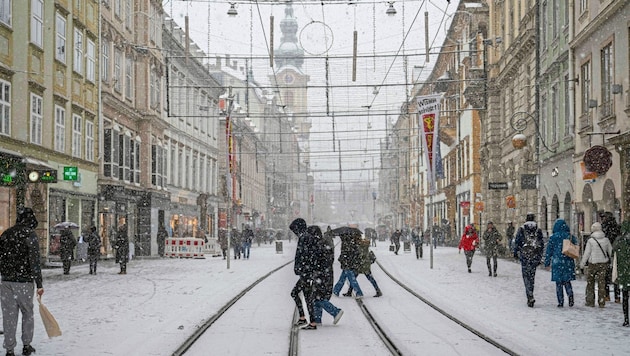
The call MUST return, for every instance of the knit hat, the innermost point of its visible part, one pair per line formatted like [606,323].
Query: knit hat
[26,216]
[596,227]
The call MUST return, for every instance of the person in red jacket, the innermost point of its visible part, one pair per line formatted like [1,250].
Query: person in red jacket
[469,243]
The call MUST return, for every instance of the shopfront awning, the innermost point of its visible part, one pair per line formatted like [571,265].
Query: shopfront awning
[35,163]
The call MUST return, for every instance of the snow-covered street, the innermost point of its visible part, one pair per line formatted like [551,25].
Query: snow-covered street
[160,302]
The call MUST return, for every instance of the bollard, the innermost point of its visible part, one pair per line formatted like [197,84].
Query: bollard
[278,246]
[407,246]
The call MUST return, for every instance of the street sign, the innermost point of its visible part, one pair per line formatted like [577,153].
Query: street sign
[528,181]
[497,185]
[70,173]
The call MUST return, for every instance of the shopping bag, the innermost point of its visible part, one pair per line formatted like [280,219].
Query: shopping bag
[569,249]
[392,247]
[50,323]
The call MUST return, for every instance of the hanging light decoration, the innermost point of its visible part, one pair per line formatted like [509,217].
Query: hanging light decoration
[232,10]
[391,11]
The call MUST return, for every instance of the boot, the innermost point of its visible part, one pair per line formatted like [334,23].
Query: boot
[571,301]
[378,293]
[348,293]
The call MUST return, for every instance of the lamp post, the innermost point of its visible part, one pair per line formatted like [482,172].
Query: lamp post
[374,206]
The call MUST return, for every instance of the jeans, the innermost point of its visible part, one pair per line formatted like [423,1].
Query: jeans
[560,292]
[369,278]
[326,305]
[246,247]
[528,269]
[469,257]
[349,275]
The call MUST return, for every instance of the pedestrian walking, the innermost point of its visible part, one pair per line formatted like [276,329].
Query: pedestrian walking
[621,248]
[247,239]
[612,230]
[122,248]
[235,241]
[528,248]
[597,254]
[68,243]
[562,267]
[491,239]
[416,238]
[303,268]
[20,268]
[349,259]
[94,248]
[395,240]
[366,258]
[323,257]
[469,242]
[162,235]
[223,242]
[509,235]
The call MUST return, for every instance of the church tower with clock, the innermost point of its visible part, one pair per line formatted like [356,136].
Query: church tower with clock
[290,79]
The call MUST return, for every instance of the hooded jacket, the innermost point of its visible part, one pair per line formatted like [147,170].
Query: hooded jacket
[530,227]
[592,252]
[562,267]
[303,261]
[470,239]
[19,248]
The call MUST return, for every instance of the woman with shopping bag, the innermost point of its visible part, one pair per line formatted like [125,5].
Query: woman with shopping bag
[562,266]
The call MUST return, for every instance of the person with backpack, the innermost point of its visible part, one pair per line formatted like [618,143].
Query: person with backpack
[597,254]
[94,248]
[528,248]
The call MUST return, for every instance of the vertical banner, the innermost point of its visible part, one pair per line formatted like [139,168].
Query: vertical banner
[429,122]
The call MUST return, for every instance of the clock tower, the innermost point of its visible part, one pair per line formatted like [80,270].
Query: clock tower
[291,81]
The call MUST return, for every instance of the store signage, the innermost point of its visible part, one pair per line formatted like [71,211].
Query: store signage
[70,173]
[497,185]
[42,176]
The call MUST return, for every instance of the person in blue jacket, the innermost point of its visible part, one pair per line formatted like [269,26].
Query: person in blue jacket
[562,267]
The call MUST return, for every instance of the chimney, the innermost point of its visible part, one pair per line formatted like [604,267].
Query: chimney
[218,63]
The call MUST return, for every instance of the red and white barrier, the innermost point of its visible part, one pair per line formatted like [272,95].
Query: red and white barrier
[184,247]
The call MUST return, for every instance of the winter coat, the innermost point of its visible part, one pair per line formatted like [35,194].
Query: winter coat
[365,262]
[519,242]
[491,239]
[235,239]
[469,240]
[122,246]
[622,249]
[19,248]
[303,263]
[610,227]
[68,243]
[349,256]
[562,267]
[322,259]
[247,236]
[395,238]
[94,244]
[509,232]
[592,252]
[223,239]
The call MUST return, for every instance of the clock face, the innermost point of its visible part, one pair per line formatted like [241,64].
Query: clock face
[33,176]
[288,78]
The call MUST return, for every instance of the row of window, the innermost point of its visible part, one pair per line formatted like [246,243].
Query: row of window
[80,129]
[79,44]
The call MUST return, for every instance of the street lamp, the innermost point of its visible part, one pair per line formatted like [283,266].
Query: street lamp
[374,206]
[520,140]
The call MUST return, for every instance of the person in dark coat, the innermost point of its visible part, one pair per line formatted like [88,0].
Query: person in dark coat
[322,258]
[469,242]
[162,235]
[528,248]
[417,238]
[366,258]
[223,242]
[247,239]
[94,248]
[235,241]
[122,248]
[349,259]
[395,239]
[562,267]
[611,230]
[621,248]
[492,239]
[68,243]
[303,267]
[509,235]
[19,268]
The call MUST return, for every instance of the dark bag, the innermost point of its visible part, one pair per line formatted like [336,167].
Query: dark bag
[531,247]
[372,257]
[392,247]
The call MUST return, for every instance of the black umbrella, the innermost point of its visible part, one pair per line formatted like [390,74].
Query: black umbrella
[346,230]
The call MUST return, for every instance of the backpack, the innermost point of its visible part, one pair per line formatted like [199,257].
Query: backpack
[372,257]
[531,247]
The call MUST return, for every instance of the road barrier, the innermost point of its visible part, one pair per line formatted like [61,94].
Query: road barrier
[187,247]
